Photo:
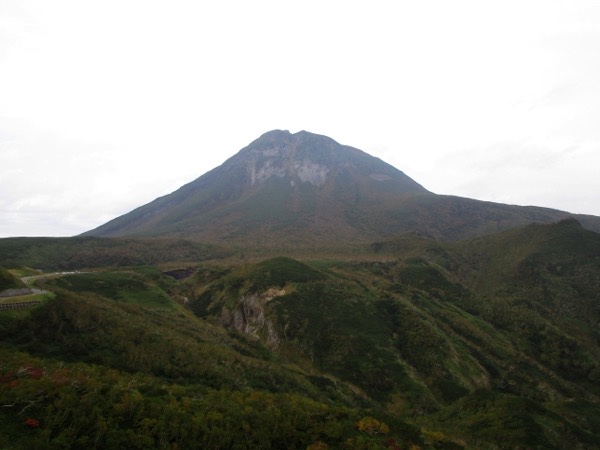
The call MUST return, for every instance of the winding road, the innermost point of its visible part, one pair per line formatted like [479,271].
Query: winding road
[29,290]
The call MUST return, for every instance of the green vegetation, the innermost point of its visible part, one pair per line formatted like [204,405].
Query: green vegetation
[108,365]
[486,343]
[511,315]
[485,416]
[131,287]
[57,254]
[9,281]
[55,406]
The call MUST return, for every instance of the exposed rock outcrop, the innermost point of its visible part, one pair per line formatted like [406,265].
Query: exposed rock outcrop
[248,316]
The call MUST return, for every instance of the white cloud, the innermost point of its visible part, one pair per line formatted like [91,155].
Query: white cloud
[108,105]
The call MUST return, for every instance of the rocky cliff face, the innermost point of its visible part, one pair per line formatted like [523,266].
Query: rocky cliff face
[306,171]
[299,158]
[308,158]
[248,316]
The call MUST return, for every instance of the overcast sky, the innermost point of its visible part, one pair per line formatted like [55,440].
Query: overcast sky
[106,105]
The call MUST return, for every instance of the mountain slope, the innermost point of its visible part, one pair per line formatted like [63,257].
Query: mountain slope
[298,190]
[489,339]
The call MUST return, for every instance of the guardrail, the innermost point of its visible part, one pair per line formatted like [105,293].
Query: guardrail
[19,305]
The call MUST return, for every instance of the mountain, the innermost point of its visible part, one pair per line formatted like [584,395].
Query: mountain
[302,190]
[451,324]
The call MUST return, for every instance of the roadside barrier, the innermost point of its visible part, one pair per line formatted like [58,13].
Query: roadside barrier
[19,305]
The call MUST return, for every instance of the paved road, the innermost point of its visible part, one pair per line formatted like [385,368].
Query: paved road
[31,279]
[31,290]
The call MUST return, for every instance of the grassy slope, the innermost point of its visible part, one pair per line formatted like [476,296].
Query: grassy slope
[9,281]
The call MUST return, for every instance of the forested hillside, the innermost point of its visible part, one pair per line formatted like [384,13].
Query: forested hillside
[413,343]
[116,361]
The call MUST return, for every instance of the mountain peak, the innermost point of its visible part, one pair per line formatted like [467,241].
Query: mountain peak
[275,138]
[274,135]
[312,158]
